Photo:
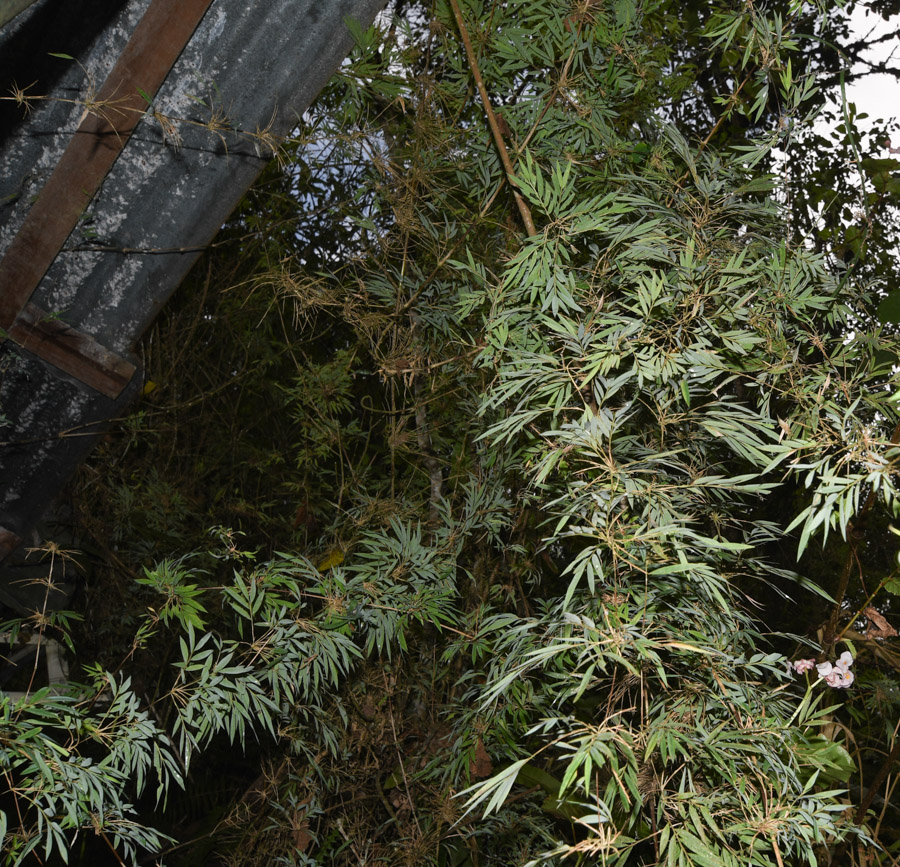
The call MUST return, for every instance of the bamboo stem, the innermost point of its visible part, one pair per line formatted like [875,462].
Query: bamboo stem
[522,205]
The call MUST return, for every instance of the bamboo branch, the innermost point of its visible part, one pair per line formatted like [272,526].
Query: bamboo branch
[522,205]
[883,771]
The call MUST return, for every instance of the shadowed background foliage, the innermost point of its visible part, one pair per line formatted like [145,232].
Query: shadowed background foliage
[414,504]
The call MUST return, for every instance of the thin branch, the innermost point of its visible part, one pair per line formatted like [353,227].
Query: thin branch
[524,210]
[883,771]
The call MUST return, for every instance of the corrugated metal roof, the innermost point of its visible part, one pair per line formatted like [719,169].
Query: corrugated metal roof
[98,227]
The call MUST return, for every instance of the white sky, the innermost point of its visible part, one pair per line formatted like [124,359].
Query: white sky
[876,95]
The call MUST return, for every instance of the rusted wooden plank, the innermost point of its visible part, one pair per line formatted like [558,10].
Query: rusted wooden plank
[71,350]
[9,541]
[111,117]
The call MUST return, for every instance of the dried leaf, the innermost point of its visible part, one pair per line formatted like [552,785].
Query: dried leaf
[482,766]
[878,626]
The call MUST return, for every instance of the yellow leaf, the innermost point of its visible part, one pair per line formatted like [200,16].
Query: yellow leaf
[333,558]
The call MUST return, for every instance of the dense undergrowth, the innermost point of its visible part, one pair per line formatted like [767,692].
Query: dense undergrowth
[459,522]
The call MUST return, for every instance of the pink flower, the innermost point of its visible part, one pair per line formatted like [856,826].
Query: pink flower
[824,669]
[801,665]
[838,675]
[845,661]
[839,679]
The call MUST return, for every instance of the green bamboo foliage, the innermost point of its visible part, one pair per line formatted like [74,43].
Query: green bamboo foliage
[652,406]
[553,467]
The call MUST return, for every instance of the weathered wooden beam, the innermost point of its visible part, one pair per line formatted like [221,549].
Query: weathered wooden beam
[71,350]
[110,118]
